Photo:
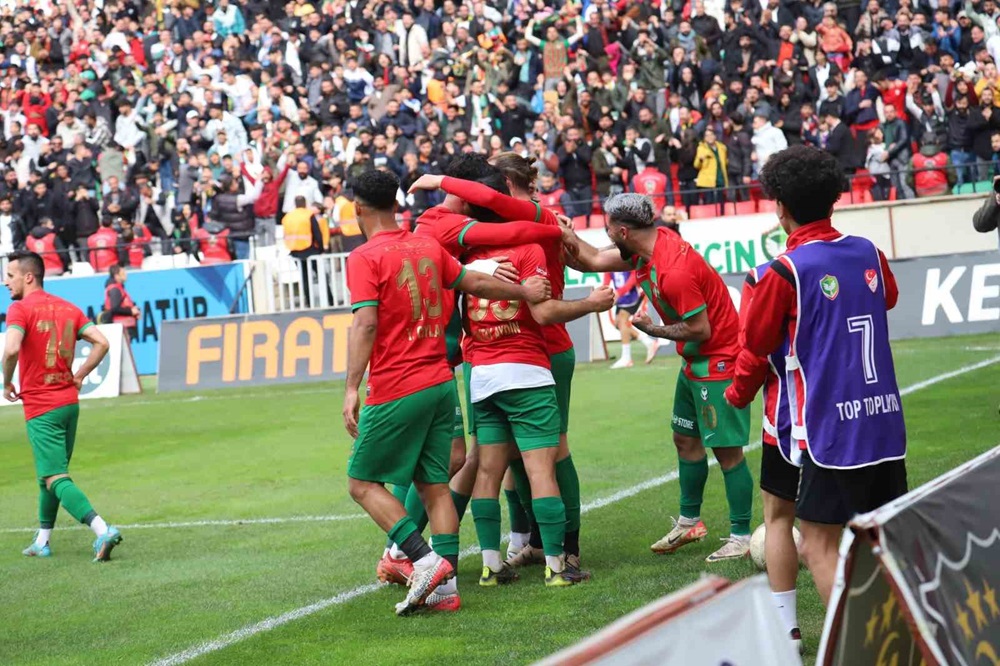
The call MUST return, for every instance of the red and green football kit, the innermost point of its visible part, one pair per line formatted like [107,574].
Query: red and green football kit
[406,425]
[680,284]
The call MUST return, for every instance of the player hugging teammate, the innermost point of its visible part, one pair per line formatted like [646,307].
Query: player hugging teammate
[404,433]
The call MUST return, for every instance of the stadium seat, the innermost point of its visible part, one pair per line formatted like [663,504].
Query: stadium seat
[982,187]
[746,207]
[703,211]
[965,188]
[580,222]
[596,220]
[766,206]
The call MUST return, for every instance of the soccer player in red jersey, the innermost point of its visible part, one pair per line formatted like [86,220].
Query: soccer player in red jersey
[514,401]
[455,226]
[525,545]
[400,289]
[42,331]
[694,304]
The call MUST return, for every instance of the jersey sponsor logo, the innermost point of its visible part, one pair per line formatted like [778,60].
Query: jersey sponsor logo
[704,394]
[830,286]
[871,279]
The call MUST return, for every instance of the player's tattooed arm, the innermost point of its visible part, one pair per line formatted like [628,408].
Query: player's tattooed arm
[693,329]
[359,351]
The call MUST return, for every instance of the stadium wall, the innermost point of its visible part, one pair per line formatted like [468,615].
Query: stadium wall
[161,295]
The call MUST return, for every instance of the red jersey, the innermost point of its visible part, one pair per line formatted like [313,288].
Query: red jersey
[653,184]
[557,339]
[505,331]
[772,383]
[46,247]
[408,278]
[680,284]
[552,199]
[51,327]
[446,227]
[103,245]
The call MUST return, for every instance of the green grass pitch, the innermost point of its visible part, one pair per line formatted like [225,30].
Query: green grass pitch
[277,453]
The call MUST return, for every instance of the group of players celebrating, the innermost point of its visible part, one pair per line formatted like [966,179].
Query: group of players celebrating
[812,331]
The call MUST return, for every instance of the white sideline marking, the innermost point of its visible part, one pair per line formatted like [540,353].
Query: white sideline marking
[249,631]
[214,523]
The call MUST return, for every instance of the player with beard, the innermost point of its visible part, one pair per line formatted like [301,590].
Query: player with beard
[698,314]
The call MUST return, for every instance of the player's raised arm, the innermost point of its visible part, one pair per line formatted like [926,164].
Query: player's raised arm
[586,257]
[11,349]
[99,349]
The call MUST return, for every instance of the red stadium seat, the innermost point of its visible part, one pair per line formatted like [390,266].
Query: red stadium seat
[766,206]
[703,211]
[596,221]
[580,222]
[746,207]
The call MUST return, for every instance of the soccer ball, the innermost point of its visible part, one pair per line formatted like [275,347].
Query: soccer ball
[757,545]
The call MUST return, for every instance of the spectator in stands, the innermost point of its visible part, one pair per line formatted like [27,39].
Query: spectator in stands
[215,246]
[739,149]
[931,173]
[877,164]
[44,241]
[12,229]
[607,164]
[118,305]
[234,210]
[839,142]
[959,143]
[550,194]
[103,246]
[712,162]
[83,217]
[897,139]
[574,168]
[767,140]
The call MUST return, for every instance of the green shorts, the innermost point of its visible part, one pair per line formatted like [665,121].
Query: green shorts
[563,365]
[458,431]
[467,382]
[528,417]
[52,436]
[700,410]
[406,440]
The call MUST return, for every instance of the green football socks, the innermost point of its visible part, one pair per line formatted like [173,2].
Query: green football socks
[519,521]
[461,504]
[739,494]
[550,513]
[48,507]
[73,499]
[523,487]
[446,545]
[415,508]
[486,515]
[693,476]
[569,489]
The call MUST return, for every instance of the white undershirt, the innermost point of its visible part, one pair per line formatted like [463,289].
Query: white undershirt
[490,379]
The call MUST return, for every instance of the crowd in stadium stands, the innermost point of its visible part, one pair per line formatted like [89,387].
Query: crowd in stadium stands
[191,126]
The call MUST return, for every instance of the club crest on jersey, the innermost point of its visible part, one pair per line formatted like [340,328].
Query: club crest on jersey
[830,286]
[871,279]
[704,394]
[721,366]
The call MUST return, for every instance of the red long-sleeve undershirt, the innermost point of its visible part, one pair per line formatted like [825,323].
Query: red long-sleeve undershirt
[502,204]
[771,313]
